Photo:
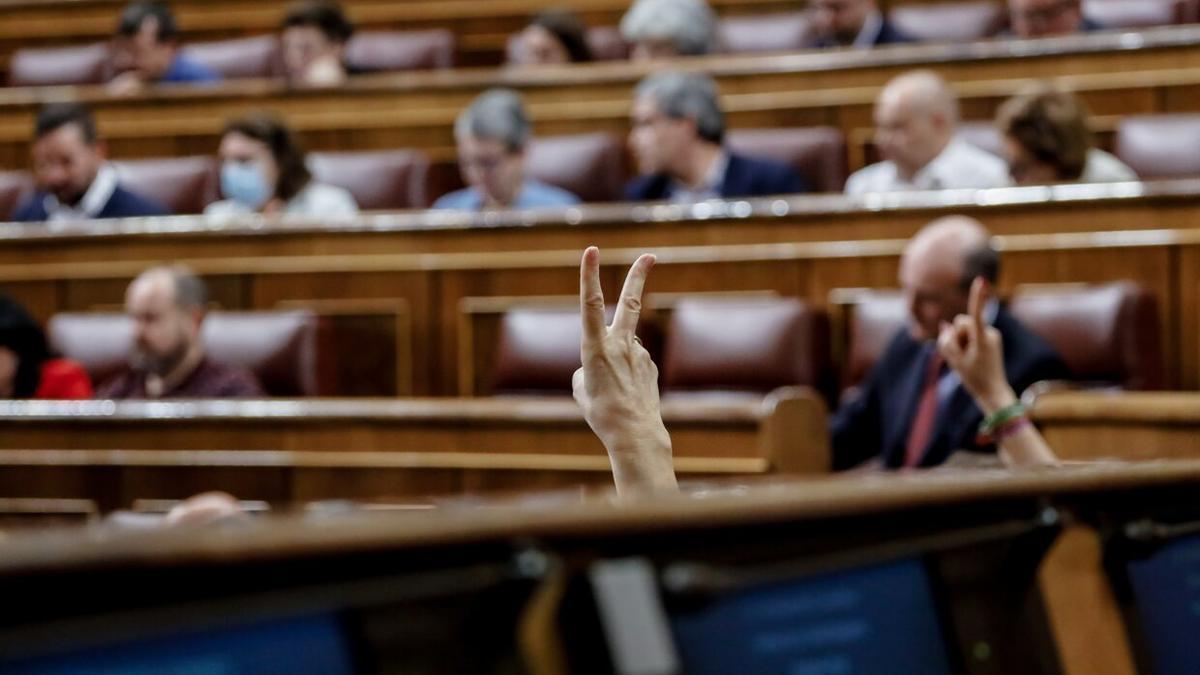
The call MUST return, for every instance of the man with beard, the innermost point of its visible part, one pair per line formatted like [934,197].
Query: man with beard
[168,361]
[74,180]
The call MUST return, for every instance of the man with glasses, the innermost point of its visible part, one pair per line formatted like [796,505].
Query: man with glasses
[1048,18]
[492,134]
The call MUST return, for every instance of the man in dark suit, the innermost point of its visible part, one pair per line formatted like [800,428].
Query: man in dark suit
[1048,18]
[852,23]
[912,410]
[74,181]
[677,138]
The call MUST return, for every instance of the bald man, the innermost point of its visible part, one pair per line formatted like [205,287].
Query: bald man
[168,360]
[912,411]
[916,125]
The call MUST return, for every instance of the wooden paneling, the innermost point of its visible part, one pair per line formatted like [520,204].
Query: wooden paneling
[1129,426]
[417,110]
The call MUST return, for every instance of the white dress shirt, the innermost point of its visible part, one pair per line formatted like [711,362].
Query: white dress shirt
[714,178]
[960,165]
[1102,167]
[93,201]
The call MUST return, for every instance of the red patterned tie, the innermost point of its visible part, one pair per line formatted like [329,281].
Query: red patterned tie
[922,427]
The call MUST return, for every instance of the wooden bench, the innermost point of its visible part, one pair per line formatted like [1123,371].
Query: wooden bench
[1082,425]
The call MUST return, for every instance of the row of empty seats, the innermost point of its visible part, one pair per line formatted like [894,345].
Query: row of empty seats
[1108,334]
[258,57]
[593,166]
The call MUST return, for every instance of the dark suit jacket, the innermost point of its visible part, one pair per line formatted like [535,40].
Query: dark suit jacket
[122,204]
[744,177]
[877,421]
[888,35]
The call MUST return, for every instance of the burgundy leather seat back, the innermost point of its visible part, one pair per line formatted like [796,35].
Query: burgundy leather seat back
[765,33]
[1160,146]
[239,58]
[1142,13]
[1108,333]
[279,347]
[385,179]
[744,345]
[816,153]
[401,50]
[184,184]
[950,21]
[607,44]
[15,188]
[874,320]
[538,350]
[37,67]
[591,166]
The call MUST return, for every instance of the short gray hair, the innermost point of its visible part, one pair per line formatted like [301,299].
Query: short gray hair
[689,24]
[498,115]
[690,96]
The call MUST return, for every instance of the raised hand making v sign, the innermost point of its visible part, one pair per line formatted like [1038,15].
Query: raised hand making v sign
[617,387]
[975,350]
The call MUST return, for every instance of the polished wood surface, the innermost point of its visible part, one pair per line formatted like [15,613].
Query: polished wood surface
[1117,74]
[430,264]
[288,451]
[1131,426]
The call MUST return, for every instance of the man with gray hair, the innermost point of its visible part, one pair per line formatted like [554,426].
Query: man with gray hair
[492,134]
[916,132]
[677,138]
[667,28]
[167,305]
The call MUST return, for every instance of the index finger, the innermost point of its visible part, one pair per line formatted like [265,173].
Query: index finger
[976,301]
[630,306]
[591,297]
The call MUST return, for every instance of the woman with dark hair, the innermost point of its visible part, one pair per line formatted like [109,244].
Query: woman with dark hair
[26,369]
[263,171]
[553,36]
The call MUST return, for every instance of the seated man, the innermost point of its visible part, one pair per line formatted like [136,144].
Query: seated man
[617,387]
[1048,18]
[676,139]
[314,39]
[167,305]
[852,23]
[911,411]
[1047,140]
[660,29]
[74,181]
[146,51]
[916,122]
[492,134]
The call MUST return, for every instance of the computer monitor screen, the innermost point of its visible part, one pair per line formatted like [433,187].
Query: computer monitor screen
[868,621]
[1166,593]
[302,646]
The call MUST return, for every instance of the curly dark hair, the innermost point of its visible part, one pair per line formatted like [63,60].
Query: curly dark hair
[285,148]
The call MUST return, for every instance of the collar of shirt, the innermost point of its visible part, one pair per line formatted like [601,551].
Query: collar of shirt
[710,189]
[950,379]
[930,177]
[871,28]
[93,201]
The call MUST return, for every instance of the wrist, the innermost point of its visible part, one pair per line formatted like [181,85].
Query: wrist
[995,400]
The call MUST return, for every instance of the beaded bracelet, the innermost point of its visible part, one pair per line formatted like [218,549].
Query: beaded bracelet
[1001,424]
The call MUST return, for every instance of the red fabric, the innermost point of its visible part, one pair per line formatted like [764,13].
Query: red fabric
[923,423]
[63,379]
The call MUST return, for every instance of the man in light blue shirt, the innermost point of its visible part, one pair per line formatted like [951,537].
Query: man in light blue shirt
[492,134]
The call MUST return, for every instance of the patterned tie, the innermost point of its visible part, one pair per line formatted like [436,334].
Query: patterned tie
[921,431]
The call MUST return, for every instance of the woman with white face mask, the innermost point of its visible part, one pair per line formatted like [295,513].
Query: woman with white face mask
[263,171]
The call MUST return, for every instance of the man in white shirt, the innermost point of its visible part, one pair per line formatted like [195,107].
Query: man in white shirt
[916,122]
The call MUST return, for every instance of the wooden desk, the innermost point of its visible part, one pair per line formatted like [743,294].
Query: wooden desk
[1129,425]
[429,263]
[1115,74]
[292,451]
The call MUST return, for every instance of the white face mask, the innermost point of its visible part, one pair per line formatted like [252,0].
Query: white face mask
[244,183]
